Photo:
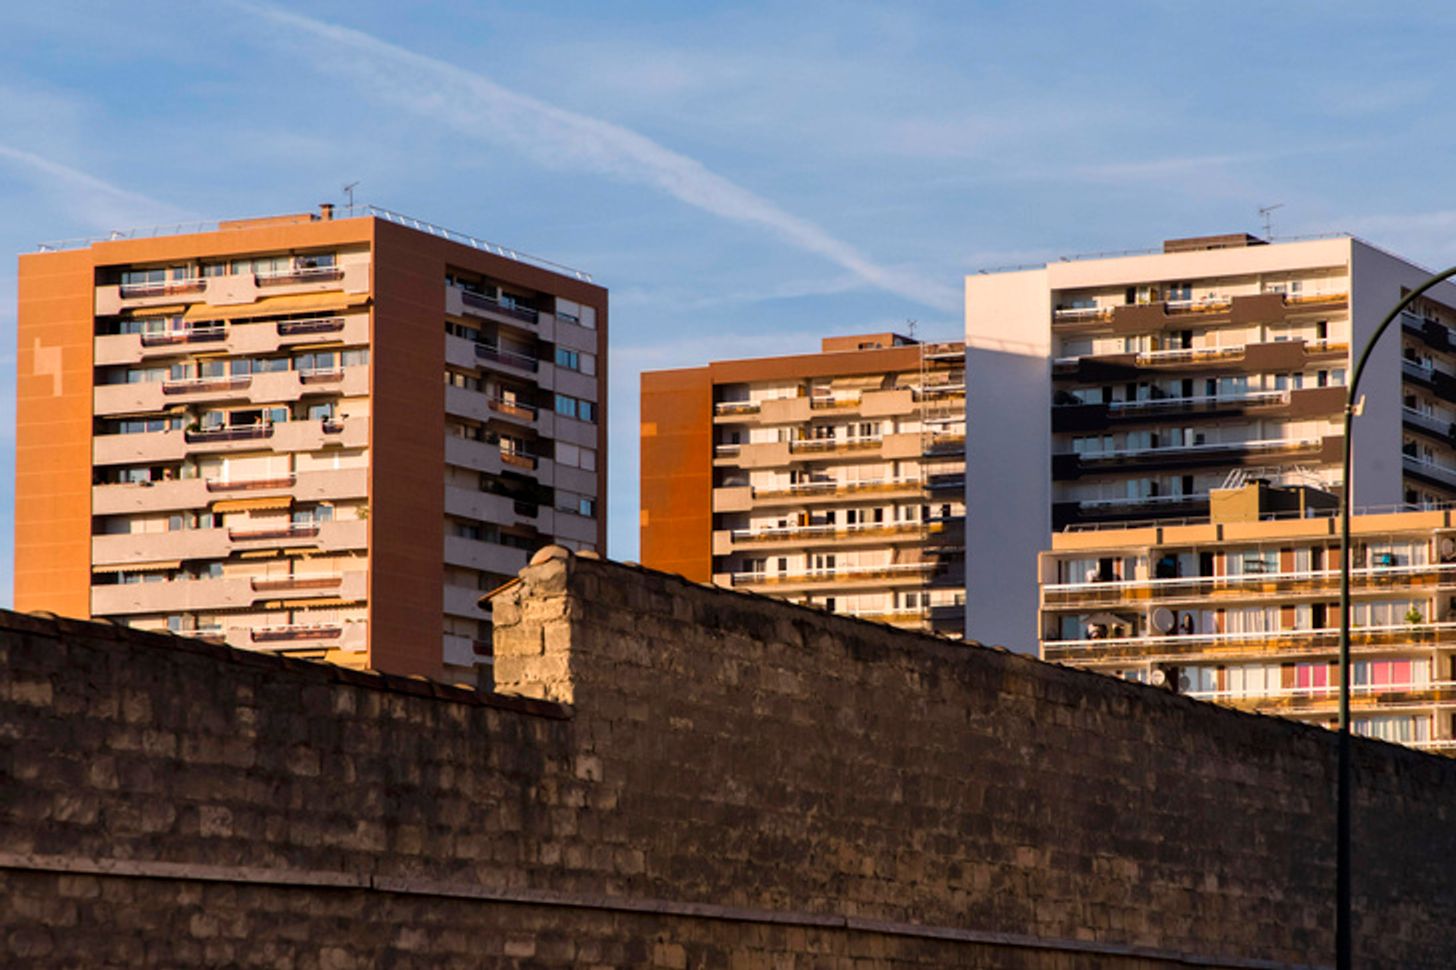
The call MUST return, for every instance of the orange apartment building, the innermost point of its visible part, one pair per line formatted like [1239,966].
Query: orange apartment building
[1242,608]
[833,479]
[305,435]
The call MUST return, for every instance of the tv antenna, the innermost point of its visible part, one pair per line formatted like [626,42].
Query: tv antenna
[349,194]
[910,326]
[1266,212]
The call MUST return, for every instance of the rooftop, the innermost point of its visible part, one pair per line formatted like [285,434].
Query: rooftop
[325,214]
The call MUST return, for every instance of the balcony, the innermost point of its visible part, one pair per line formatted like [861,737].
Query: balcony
[492,306]
[945,444]
[484,351]
[1434,471]
[1430,422]
[736,408]
[197,333]
[811,491]
[296,631]
[890,572]
[1325,699]
[1315,582]
[834,445]
[519,459]
[199,385]
[296,584]
[1253,645]
[1210,452]
[225,433]
[512,409]
[291,530]
[293,328]
[249,484]
[302,274]
[138,291]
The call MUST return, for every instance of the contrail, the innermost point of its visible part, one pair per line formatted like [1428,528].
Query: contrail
[102,203]
[479,107]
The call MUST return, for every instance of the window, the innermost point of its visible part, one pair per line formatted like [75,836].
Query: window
[572,407]
[575,456]
[569,359]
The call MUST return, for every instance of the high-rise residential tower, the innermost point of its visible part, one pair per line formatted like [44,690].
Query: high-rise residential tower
[830,479]
[301,434]
[1108,391]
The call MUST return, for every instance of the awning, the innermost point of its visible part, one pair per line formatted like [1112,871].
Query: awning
[158,311]
[246,504]
[268,306]
[258,554]
[331,603]
[137,567]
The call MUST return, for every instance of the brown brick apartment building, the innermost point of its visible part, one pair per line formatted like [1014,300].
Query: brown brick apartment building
[832,479]
[249,433]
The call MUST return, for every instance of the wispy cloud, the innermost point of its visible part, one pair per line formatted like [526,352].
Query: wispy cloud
[92,200]
[479,107]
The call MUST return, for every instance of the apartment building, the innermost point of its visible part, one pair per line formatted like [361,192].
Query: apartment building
[1124,389]
[832,479]
[1243,609]
[309,435]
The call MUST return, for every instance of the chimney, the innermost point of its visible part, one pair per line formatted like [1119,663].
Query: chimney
[326,211]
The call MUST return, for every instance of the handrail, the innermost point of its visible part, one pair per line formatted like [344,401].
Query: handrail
[1249,578]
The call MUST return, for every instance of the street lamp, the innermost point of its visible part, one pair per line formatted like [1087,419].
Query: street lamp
[1343,935]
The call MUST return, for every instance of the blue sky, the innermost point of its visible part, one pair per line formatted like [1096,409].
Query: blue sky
[747,177]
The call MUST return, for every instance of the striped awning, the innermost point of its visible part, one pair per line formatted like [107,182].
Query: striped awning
[158,311]
[268,306]
[137,567]
[253,504]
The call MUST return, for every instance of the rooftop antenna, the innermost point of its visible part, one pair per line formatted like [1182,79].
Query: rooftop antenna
[349,194]
[1266,212]
[910,326]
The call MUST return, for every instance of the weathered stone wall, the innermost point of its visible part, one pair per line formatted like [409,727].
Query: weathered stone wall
[680,776]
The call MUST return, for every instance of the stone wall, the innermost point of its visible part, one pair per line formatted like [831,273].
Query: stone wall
[680,776]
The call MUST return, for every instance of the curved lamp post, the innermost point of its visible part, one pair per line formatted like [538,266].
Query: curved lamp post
[1343,936]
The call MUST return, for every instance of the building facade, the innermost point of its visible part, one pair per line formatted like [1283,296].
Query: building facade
[1244,610]
[831,479]
[1127,389]
[313,436]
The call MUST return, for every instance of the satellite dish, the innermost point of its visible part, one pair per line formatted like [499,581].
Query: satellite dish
[1159,677]
[1447,547]
[1163,619]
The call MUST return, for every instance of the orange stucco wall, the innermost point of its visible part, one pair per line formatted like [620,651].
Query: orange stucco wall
[677,472]
[53,433]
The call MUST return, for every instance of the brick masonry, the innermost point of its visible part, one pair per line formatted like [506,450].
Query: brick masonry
[679,776]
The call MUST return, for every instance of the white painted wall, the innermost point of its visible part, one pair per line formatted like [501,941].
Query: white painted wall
[1008,453]
[1378,281]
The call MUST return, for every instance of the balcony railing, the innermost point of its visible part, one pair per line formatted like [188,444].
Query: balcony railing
[193,284]
[1093,504]
[482,302]
[831,403]
[281,584]
[491,352]
[296,631]
[888,571]
[520,459]
[840,531]
[190,334]
[1198,403]
[249,484]
[294,530]
[318,325]
[1265,444]
[320,375]
[1082,314]
[737,407]
[238,432]
[1406,575]
[192,385]
[1328,692]
[1434,469]
[1430,421]
[838,488]
[516,410]
[857,443]
[1316,638]
[301,274]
